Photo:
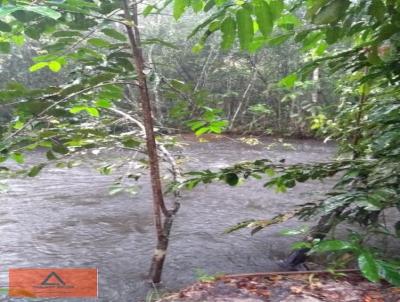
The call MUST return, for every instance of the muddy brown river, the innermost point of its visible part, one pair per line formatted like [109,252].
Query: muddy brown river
[67,218]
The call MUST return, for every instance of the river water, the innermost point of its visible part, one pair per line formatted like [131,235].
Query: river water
[67,218]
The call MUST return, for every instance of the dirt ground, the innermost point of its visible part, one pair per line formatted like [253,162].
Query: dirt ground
[293,287]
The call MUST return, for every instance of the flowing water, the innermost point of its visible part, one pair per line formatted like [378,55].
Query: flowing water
[66,218]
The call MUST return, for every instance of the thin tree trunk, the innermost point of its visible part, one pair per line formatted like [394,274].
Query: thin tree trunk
[202,78]
[159,208]
[243,100]
[157,79]
[315,93]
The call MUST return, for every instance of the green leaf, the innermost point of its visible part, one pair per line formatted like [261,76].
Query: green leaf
[50,155]
[54,66]
[18,157]
[331,12]
[77,109]
[99,43]
[288,19]
[231,179]
[148,9]
[112,92]
[198,47]
[301,245]
[103,103]
[44,11]
[38,66]
[18,39]
[5,27]
[197,5]
[214,25]
[257,44]
[264,17]
[209,5]
[35,170]
[277,40]
[377,9]
[386,31]
[245,27]
[179,8]
[5,47]
[92,111]
[288,81]
[201,131]
[332,246]
[66,34]
[389,272]
[276,7]
[300,36]
[131,143]
[368,266]
[332,34]
[194,125]
[18,125]
[312,40]
[114,34]
[228,29]
[60,148]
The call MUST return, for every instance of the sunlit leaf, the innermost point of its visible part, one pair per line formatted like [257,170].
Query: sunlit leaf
[289,81]
[18,157]
[179,8]
[92,111]
[38,66]
[103,103]
[54,66]
[197,5]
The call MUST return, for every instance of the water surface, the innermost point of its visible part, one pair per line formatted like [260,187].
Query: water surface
[66,218]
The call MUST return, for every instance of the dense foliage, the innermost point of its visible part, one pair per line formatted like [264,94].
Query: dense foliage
[366,124]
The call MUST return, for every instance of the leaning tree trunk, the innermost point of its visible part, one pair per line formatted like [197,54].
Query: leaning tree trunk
[159,208]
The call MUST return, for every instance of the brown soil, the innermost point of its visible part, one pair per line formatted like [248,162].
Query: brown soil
[294,287]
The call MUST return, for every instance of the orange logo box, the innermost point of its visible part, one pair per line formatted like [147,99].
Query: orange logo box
[53,282]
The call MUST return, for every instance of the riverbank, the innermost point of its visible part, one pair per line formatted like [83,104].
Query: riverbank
[317,286]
